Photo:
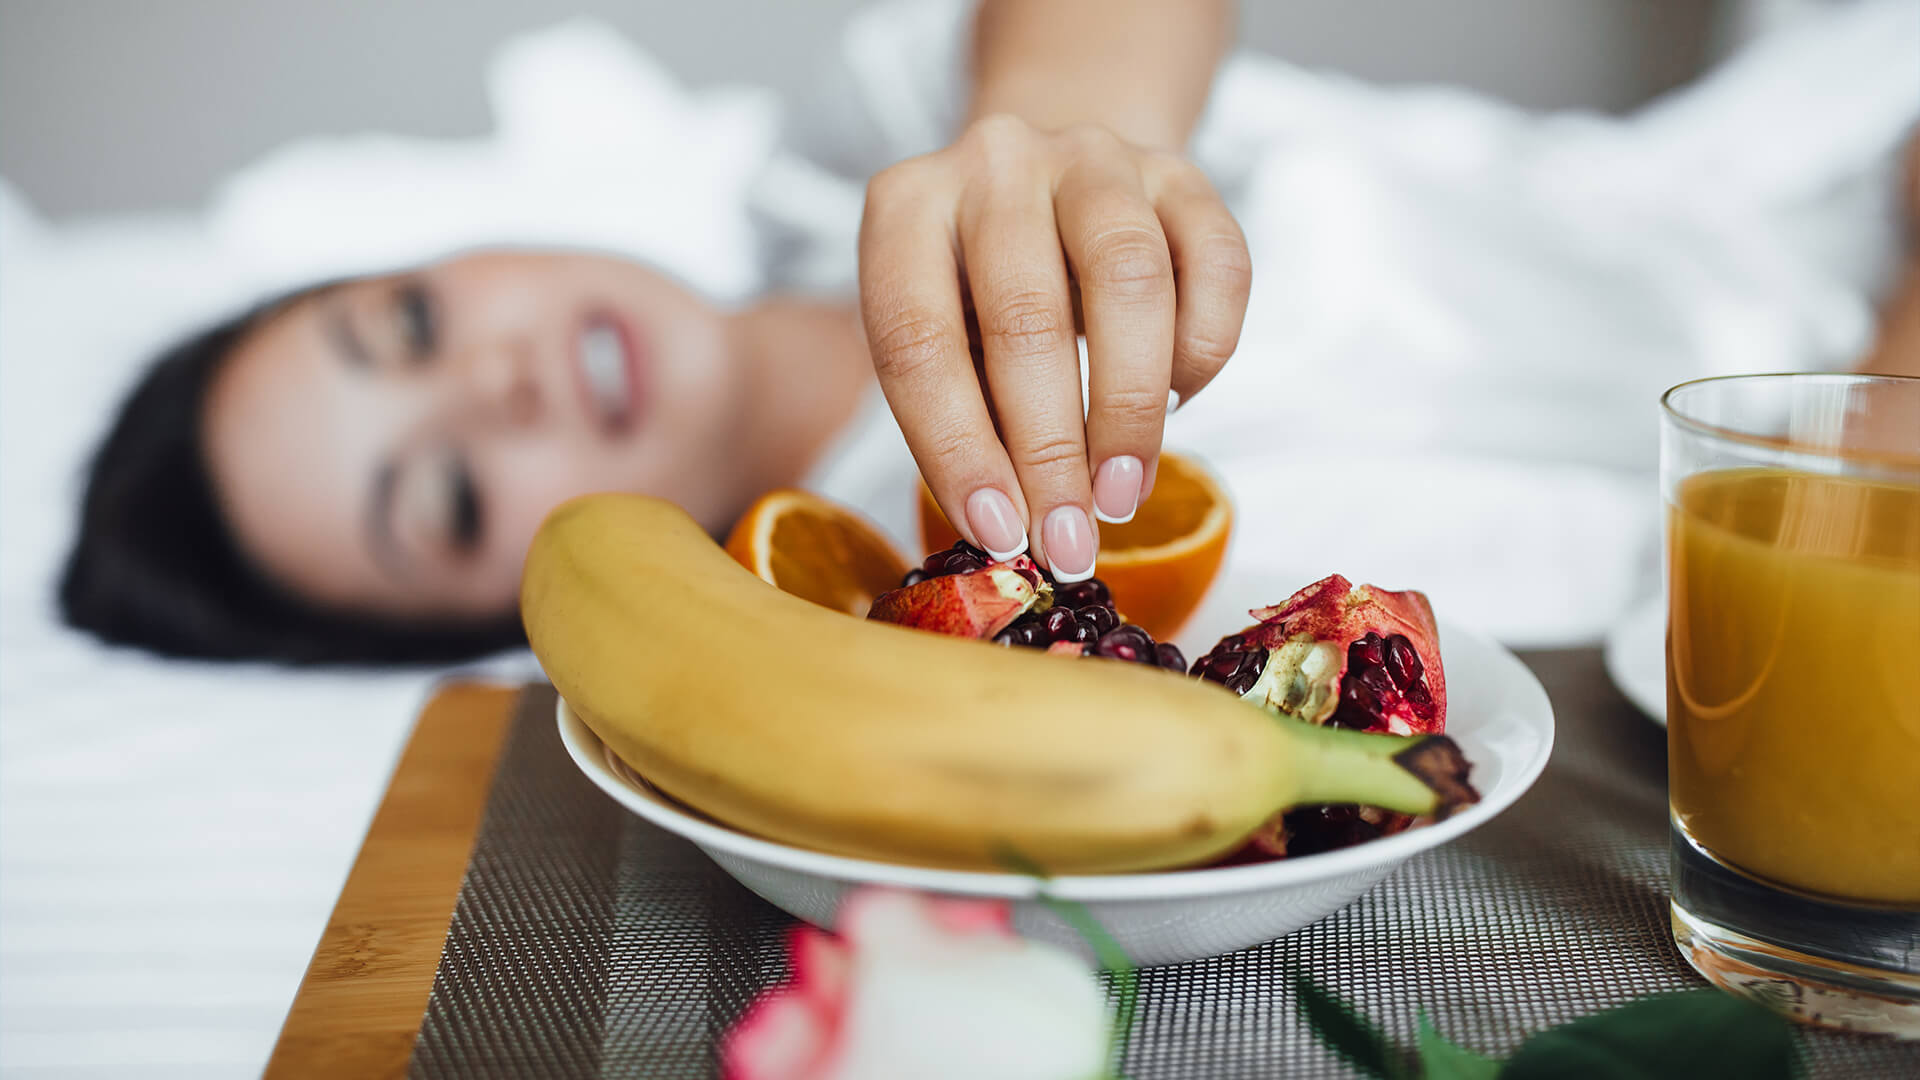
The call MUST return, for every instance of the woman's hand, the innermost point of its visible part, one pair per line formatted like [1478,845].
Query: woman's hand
[978,262]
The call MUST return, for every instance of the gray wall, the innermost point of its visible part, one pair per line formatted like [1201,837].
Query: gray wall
[109,105]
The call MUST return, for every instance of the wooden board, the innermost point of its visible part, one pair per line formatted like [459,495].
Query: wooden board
[365,991]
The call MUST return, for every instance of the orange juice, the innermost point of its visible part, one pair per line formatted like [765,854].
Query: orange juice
[1793,678]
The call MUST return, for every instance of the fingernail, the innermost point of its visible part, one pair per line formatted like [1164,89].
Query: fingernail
[1173,401]
[1116,489]
[996,524]
[1068,536]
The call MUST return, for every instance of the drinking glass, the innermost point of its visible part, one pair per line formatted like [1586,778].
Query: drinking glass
[1793,691]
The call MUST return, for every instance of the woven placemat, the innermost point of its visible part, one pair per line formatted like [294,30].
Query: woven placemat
[587,943]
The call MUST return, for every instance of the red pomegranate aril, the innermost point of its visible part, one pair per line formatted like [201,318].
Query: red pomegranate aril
[1057,624]
[1248,673]
[1169,656]
[1402,662]
[961,563]
[1368,650]
[1083,593]
[1083,631]
[961,558]
[914,577]
[1117,646]
[1100,617]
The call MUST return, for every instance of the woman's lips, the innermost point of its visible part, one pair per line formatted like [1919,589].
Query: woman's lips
[610,372]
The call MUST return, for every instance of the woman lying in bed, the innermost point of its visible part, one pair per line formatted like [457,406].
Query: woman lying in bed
[354,472]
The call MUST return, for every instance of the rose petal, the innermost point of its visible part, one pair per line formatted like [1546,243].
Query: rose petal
[967,1007]
[822,967]
[972,916]
[880,918]
[781,1037]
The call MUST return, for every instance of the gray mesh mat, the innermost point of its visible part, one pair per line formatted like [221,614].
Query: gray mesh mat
[587,943]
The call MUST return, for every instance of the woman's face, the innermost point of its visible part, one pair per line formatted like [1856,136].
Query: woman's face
[390,445]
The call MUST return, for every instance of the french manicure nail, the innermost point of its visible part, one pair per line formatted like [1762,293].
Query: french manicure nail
[1116,489]
[1173,401]
[1068,536]
[996,524]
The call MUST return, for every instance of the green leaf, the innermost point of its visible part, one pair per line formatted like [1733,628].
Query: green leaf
[1347,1032]
[1681,1036]
[1442,1060]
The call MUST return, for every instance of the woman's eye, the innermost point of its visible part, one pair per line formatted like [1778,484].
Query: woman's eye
[417,320]
[463,508]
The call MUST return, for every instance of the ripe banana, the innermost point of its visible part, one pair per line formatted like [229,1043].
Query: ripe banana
[812,728]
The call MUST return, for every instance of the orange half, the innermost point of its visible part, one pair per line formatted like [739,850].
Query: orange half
[817,550]
[1159,565]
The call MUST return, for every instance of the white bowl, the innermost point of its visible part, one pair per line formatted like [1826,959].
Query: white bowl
[1496,710]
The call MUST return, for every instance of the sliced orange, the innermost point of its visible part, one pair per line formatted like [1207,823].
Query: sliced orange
[817,550]
[1160,564]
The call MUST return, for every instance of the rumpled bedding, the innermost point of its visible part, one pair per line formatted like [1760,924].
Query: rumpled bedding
[1462,316]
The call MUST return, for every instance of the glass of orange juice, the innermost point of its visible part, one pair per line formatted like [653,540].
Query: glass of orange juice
[1793,691]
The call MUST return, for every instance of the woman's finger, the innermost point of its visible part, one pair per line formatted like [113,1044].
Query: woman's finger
[910,303]
[1211,271]
[1114,241]
[1018,282]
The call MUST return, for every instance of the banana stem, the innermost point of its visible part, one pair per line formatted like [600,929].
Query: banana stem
[1409,774]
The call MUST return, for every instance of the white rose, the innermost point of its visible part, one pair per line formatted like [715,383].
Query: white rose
[924,987]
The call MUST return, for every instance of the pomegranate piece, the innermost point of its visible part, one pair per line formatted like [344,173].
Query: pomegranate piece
[1310,830]
[956,591]
[966,597]
[1356,657]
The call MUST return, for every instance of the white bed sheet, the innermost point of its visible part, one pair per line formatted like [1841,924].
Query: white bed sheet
[172,835]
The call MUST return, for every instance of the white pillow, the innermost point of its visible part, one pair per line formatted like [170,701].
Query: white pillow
[595,145]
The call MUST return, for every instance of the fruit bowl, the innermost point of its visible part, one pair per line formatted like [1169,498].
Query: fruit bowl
[1497,711]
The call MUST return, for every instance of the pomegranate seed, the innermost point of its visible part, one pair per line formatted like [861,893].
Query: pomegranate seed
[1100,617]
[1005,637]
[1168,654]
[1420,699]
[1375,679]
[914,577]
[962,563]
[1403,663]
[1356,694]
[1123,643]
[1057,624]
[1083,631]
[1369,650]
[1084,593]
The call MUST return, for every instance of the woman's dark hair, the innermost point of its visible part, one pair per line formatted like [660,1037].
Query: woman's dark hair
[156,565]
